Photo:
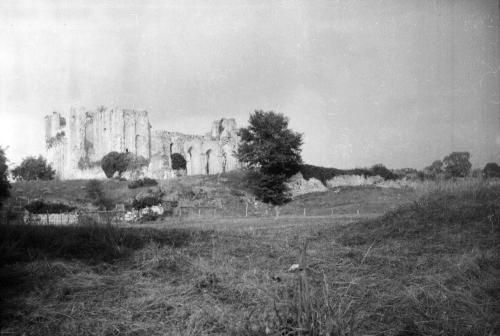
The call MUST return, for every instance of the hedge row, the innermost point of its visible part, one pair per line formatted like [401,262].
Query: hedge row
[41,207]
[145,182]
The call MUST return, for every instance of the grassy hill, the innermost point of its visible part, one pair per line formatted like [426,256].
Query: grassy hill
[228,192]
[428,267]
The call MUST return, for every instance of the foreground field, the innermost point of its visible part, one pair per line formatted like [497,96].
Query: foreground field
[429,267]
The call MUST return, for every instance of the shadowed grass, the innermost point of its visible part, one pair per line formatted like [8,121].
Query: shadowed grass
[430,267]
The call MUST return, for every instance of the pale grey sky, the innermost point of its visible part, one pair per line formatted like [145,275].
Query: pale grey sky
[399,82]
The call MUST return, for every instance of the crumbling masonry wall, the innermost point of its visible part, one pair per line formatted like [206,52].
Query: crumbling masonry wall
[75,145]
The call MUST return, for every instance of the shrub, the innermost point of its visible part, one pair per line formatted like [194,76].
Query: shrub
[178,161]
[491,170]
[41,207]
[145,182]
[115,162]
[141,202]
[4,182]
[32,168]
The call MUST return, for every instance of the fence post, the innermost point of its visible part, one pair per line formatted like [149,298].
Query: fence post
[304,212]
[246,210]
[214,212]
[180,212]
[199,212]
[332,212]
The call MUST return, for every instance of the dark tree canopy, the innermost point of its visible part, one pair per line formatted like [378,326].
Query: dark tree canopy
[268,144]
[4,182]
[382,171]
[491,170]
[32,168]
[178,161]
[115,162]
[457,164]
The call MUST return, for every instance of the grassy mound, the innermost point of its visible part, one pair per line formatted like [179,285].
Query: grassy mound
[434,264]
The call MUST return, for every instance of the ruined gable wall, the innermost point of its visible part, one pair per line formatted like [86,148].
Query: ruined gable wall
[211,153]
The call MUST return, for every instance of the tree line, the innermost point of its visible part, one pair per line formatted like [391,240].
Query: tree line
[270,152]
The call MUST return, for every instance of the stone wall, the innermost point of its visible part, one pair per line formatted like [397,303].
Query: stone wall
[77,146]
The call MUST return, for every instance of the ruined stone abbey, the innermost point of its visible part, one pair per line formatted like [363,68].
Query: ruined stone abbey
[76,144]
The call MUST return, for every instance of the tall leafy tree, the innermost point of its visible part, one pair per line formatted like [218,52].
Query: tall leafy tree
[268,145]
[34,168]
[491,170]
[4,182]
[457,164]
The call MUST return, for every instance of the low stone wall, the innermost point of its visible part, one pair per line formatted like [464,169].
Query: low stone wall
[353,180]
[300,186]
[51,218]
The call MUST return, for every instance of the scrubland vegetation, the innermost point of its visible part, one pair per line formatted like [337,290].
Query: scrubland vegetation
[428,267]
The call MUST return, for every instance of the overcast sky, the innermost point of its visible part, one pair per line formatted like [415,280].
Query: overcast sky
[398,82]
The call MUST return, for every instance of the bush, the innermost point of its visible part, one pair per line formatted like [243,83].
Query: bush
[141,202]
[4,181]
[491,170]
[145,182]
[115,162]
[178,161]
[95,192]
[41,207]
[32,168]
[382,171]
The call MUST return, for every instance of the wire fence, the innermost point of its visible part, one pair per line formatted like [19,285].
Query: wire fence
[19,215]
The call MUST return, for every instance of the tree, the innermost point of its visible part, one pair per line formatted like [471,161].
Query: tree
[178,161]
[457,164]
[491,170]
[4,182]
[115,162]
[268,145]
[434,170]
[383,171]
[32,168]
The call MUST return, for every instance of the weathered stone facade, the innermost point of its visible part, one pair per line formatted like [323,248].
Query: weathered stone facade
[76,144]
